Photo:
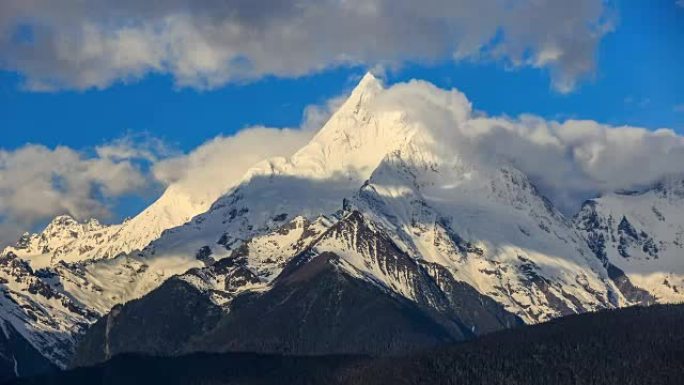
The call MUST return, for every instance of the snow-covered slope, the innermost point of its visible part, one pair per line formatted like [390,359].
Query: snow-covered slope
[68,240]
[642,233]
[456,220]
[257,262]
[311,183]
[88,268]
[491,229]
[57,282]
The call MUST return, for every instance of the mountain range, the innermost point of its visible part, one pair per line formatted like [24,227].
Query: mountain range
[377,237]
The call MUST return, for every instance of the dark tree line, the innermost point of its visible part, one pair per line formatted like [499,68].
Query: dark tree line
[630,346]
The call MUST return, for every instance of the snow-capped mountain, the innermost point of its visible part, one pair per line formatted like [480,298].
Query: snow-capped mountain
[379,201]
[491,229]
[312,182]
[57,282]
[641,233]
[65,239]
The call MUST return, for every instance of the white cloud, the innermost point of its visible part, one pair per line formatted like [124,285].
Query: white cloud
[570,161]
[575,160]
[135,146]
[210,169]
[207,43]
[37,183]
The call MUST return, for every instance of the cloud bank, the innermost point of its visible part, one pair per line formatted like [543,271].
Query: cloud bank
[570,161]
[212,168]
[37,183]
[60,44]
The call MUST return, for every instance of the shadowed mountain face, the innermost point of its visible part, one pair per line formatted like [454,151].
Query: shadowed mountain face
[18,357]
[317,305]
[606,348]
[320,310]
[324,312]
[160,323]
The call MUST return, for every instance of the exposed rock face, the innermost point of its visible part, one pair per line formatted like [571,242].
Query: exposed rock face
[319,310]
[596,230]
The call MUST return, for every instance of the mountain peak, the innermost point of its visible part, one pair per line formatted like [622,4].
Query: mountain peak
[368,87]
[62,221]
[369,81]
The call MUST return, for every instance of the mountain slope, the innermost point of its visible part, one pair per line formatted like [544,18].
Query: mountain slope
[642,234]
[349,289]
[311,183]
[607,348]
[65,239]
[396,208]
[492,229]
[59,281]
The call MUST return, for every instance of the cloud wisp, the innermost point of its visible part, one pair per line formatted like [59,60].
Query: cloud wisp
[208,43]
[212,168]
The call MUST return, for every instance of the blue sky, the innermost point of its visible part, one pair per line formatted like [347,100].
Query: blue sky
[637,81]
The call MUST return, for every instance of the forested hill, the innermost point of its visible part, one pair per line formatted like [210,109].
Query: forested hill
[630,346]
[622,347]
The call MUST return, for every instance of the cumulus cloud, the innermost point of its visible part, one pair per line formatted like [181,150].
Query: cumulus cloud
[209,170]
[570,161]
[207,43]
[575,160]
[37,183]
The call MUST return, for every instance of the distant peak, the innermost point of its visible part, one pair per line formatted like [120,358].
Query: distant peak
[671,185]
[369,80]
[365,90]
[63,220]
[93,224]
[363,93]
[369,84]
